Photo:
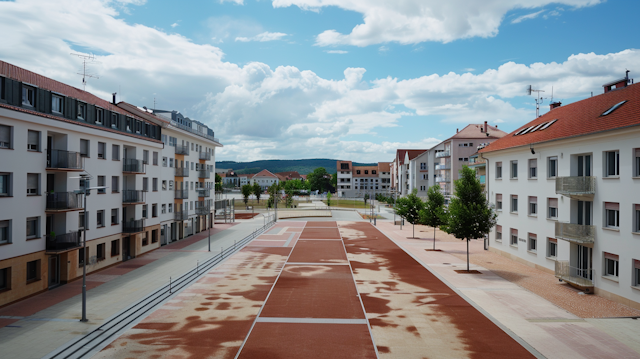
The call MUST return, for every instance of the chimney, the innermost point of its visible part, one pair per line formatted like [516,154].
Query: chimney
[485,126]
[617,84]
[456,130]
[114,97]
[554,105]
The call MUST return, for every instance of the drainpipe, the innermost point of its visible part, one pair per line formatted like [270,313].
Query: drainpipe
[486,181]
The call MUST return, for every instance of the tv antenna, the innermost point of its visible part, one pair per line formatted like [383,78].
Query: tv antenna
[538,99]
[85,59]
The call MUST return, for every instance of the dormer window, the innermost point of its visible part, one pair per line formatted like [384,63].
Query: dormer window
[129,119]
[114,120]
[28,96]
[613,108]
[82,111]
[99,116]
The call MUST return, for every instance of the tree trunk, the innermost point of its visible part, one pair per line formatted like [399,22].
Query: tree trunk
[467,254]
[434,238]
[413,226]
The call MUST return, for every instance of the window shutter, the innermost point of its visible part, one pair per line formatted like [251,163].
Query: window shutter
[610,256]
[533,162]
[514,231]
[553,202]
[533,199]
[636,264]
[32,138]
[637,152]
[32,180]
[499,228]
[637,207]
[612,206]
[498,197]
[5,133]
[533,236]
[553,240]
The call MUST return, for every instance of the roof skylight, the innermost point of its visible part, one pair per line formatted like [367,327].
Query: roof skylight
[613,108]
[548,124]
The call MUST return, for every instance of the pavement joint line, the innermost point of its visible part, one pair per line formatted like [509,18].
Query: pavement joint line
[286,244]
[316,264]
[311,320]
[555,320]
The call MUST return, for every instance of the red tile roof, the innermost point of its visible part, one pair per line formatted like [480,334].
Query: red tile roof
[264,173]
[477,131]
[412,154]
[384,166]
[578,119]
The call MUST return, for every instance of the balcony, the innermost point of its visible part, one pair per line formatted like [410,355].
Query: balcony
[446,166]
[64,201]
[181,194]
[133,226]
[132,196]
[482,179]
[60,160]
[442,154]
[202,210]
[442,179]
[219,196]
[194,131]
[203,192]
[576,233]
[181,215]
[133,166]
[204,174]
[182,149]
[581,278]
[206,156]
[182,172]
[577,187]
[63,242]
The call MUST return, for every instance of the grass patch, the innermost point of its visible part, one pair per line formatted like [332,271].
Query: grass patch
[262,205]
[368,216]
[347,203]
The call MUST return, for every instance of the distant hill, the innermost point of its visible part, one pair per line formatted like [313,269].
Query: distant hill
[302,166]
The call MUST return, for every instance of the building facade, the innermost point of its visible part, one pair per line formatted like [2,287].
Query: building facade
[264,179]
[357,181]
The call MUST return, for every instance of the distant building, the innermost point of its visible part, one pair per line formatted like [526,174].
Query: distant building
[356,181]
[265,179]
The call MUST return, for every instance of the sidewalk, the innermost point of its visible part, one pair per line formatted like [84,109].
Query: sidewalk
[36,326]
[529,302]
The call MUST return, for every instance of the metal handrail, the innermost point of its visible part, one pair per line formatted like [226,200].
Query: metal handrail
[64,201]
[133,226]
[577,276]
[181,194]
[63,242]
[204,174]
[182,171]
[443,154]
[133,165]
[203,192]
[205,156]
[182,149]
[64,159]
[132,196]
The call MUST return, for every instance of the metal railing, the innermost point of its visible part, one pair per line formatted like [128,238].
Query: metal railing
[443,179]
[181,215]
[576,233]
[203,192]
[202,210]
[577,276]
[204,174]
[446,166]
[64,201]
[133,196]
[187,128]
[131,165]
[219,196]
[576,185]
[63,242]
[181,194]
[182,149]
[443,154]
[100,336]
[182,171]
[64,160]
[133,226]
[205,156]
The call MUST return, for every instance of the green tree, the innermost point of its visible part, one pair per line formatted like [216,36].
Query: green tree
[218,178]
[334,180]
[273,194]
[329,199]
[319,180]
[246,192]
[257,190]
[409,207]
[366,197]
[433,214]
[469,214]
[293,185]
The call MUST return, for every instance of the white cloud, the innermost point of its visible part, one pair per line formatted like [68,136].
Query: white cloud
[263,37]
[174,25]
[383,48]
[527,17]
[415,21]
[469,69]
[337,52]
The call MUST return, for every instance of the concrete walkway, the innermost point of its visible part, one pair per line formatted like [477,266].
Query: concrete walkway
[38,325]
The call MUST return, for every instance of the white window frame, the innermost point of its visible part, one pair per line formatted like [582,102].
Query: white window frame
[99,116]
[102,150]
[611,267]
[100,218]
[28,96]
[36,228]
[616,165]
[5,184]
[5,231]
[552,167]
[8,141]
[33,147]
[552,244]
[498,170]
[60,103]
[513,239]
[30,190]
[513,174]
[499,234]
[533,170]
[612,218]
[532,243]
[82,111]
[513,208]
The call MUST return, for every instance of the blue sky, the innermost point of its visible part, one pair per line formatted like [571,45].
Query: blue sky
[325,78]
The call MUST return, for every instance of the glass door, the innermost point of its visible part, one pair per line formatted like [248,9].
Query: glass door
[585,209]
[584,166]
[584,262]
[54,271]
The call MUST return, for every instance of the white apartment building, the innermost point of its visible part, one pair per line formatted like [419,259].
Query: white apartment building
[567,190]
[356,181]
[265,179]
[405,171]
[50,134]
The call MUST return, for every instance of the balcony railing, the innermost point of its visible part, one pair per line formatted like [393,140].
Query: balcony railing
[181,215]
[64,160]
[182,194]
[576,186]
[576,233]
[205,156]
[133,196]
[192,130]
[446,166]
[443,154]
[64,201]
[133,226]
[182,172]
[130,165]
[63,242]
[204,174]
[582,278]
[182,149]
[219,196]
[202,210]
[203,192]
[443,179]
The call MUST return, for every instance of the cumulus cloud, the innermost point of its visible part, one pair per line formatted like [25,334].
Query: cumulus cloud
[263,37]
[415,21]
[527,17]
[336,52]
[175,24]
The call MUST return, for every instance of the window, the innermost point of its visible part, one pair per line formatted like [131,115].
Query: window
[114,216]
[100,251]
[99,116]
[552,247]
[5,136]
[115,247]
[115,152]
[636,218]
[154,236]
[102,149]
[514,203]
[33,271]
[170,185]
[164,209]
[33,140]
[498,201]
[532,243]
[612,214]
[33,227]
[533,206]
[28,96]
[57,103]
[81,221]
[5,231]
[82,111]
[533,168]
[144,211]
[164,185]
[82,255]
[498,170]
[164,162]
[101,183]
[499,233]
[514,237]
[155,158]
[553,208]
[145,157]
[344,166]
[191,165]
[145,238]
[145,184]
[5,184]
[171,162]
[33,184]
[100,218]
[611,265]
[115,184]
[636,162]
[636,273]
[170,207]
[553,167]
[612,163]
[514,169]
[84,148]
[154,210]
[115,120]
[155,185]
[5,279]
[358,172]
[373,172]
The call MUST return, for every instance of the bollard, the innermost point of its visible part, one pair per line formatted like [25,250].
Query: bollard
[374,221]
